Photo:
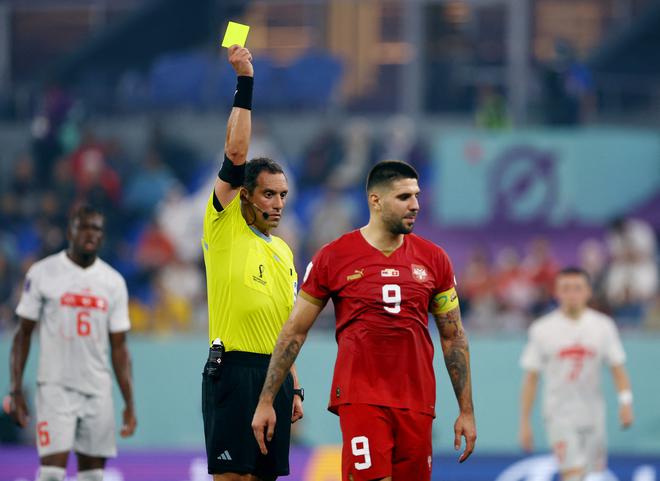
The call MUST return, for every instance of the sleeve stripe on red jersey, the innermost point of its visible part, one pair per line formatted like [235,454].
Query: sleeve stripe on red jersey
[310,298]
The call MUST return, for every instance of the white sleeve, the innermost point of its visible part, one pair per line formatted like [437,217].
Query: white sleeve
[31,303]
[119,321]
[614,353]
[532,356]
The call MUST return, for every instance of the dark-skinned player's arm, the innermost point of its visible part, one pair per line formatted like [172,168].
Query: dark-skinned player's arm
[121,364]
[291,338]
[239,128]
[20,350]
[456,351]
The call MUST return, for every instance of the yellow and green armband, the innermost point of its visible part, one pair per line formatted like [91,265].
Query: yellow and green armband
[444,302]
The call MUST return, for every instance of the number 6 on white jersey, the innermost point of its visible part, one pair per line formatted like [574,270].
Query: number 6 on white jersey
[392,295]
[360,447]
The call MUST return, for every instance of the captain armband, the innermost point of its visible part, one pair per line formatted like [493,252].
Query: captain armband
[231,173]
[444,302]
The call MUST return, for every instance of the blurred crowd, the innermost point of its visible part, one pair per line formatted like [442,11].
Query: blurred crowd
[68,163]
[154,202]
[506,292]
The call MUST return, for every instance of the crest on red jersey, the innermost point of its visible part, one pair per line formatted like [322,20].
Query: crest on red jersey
[419,273]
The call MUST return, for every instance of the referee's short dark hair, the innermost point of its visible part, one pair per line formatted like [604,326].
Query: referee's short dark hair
[255,167]
[79,211]
[387,171]
[574,271]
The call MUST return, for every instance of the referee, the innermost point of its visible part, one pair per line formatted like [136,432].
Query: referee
[251,283]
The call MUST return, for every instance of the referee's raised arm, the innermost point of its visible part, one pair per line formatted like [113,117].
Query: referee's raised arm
[239,127]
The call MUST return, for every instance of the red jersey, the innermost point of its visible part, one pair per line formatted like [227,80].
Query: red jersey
[385,352]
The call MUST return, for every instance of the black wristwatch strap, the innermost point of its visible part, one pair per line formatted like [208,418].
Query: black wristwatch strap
[300,392]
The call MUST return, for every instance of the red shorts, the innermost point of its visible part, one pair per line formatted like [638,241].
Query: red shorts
[381,441]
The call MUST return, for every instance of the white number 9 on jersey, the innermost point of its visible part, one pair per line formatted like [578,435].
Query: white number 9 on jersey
[392,295]
[360,447]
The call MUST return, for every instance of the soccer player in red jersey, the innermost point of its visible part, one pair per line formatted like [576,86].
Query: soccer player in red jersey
[383,281]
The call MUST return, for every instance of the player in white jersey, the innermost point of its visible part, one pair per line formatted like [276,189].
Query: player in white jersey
[79,305]
[568,347]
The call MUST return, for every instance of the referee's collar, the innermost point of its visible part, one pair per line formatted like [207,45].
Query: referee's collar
[260,234]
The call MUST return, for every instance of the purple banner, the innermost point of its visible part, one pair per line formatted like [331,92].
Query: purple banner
[323,464]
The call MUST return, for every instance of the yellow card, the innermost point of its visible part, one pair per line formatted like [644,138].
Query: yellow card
[236,34]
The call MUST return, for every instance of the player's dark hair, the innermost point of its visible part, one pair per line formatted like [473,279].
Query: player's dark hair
[387,171]
[80,211]
[255,167]
[574,271]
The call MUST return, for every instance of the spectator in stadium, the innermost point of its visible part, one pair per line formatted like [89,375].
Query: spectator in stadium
[80,304]
[477,291]
[400,140]
[321,156]
[357,153]
[63,185]
[95,180]
[593,260]
[514,291]
[329,204]
[148,186]
[568,347]
[541,268]
[179,157]
[22,185]
[632,278]
[249,302]
[491,112]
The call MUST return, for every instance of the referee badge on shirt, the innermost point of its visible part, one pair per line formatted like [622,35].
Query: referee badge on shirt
[258,271]
[260,277]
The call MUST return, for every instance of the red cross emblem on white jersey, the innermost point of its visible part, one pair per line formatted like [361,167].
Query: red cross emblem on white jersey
[576,353]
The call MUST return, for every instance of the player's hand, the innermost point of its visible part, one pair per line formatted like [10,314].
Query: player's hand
[241,59]
[263,422]
[465,427]
[298,411]
[526,437]
[18,409]
[626,415]
[130,422]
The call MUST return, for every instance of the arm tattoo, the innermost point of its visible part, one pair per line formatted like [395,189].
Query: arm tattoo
[457,366]
[286,351]
[457,355]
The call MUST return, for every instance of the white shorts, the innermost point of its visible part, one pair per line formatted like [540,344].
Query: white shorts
[68,419]
[578,446]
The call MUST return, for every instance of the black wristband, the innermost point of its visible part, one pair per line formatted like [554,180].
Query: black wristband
[231,173]
[243,95]
[299,392]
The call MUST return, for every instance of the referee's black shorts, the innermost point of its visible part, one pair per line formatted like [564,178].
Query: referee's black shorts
[229,398]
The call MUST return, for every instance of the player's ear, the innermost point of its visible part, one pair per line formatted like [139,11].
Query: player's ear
[244,194]
[374,201]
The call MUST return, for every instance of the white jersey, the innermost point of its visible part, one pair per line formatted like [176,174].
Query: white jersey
[76,308]
[570,354]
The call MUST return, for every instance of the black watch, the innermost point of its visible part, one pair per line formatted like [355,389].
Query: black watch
[300,392]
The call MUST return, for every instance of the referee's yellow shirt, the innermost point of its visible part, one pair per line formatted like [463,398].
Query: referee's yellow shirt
[250,279]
